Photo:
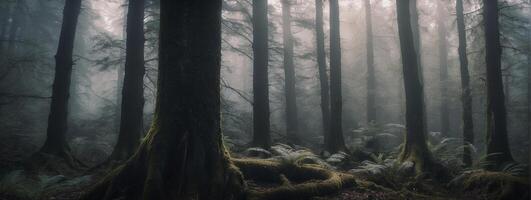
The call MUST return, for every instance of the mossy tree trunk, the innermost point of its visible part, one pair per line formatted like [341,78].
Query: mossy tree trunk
[323,75]
[498,150]
[443,69]
[415,148]
[183,156]
[335,141]
[466,97]
[371,79]
[133,88]
[289,75]
[261,135]
[56,143]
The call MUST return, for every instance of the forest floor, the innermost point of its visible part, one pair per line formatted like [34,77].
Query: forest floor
[377,177]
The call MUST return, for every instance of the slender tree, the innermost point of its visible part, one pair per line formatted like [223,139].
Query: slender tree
[415,148]
[323,75]
[498,150]
[261,135]
[335,141]
[56,143]
[443,69]
[289,73]
[371,79]
[183,156]
[466,97]
[133,88]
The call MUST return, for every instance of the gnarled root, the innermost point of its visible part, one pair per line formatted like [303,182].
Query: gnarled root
[316,181]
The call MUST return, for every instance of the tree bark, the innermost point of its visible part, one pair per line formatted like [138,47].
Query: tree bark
[261,135]
[16,16]
[289,75]
[498,150]
[336,142]
[183,156]
[466,97]
[371,80]
[415,148]
[443,69]
[5,12]
[56,143]
[133,88]
[323,75]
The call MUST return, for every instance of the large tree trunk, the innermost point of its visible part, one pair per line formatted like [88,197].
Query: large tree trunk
[323,75]
[336,141]
[56,143]
[133,88]
[415,148]
[466,97]
[183,156]
[371,79]
[261,135]
[498,150]
[443,69]
[289,73]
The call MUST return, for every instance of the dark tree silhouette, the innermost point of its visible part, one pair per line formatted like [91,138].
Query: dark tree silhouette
[183,156]
[56,143]
[261,135]
[289,73]
[323,75]
[498,150]
[466,97]
[371,79]
[443,68]
[133,87]
[335,141]
[415,148]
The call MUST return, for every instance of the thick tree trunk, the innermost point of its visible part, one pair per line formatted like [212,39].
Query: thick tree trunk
[261,135]
[120,71]
[498,150]
[183,156]
[415,148]
[443,69]
[289,75]
[323,75]
[371,79]
[56,143]
[336,141]
[466,97]
[133,88]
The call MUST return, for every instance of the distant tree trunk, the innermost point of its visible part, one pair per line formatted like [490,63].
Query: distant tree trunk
[289,72]
[498,150]
[261,135]
[56,143]
[323,75]
[443,69]
[466,97]
[183,156]
[133,88]
[415,148]
[16,16]
[371,80]
[336,142]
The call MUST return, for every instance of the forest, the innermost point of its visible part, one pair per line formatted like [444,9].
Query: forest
[265,99]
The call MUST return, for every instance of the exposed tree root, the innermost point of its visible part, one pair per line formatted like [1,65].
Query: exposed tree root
[316,181]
